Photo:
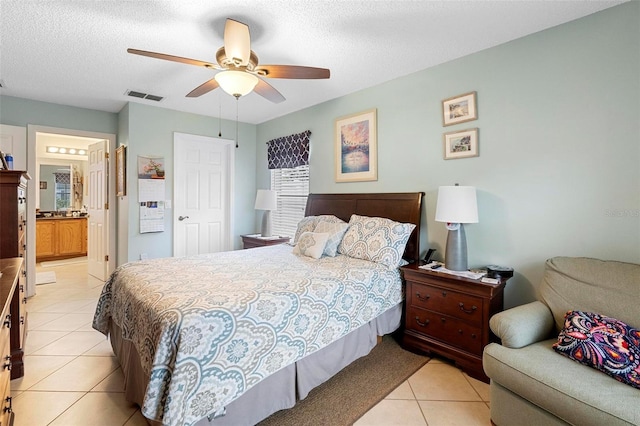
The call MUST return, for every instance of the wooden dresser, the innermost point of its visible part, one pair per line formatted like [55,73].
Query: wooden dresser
[449,315]
[13,243]
[11,269]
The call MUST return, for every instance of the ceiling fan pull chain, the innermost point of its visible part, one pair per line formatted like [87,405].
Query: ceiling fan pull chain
[219,116]
[237,99]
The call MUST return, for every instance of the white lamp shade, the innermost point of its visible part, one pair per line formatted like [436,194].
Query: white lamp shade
[266,200]
[457,204]
[236,83]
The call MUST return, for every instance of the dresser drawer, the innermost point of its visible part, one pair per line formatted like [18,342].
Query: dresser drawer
[449,330]
[448,302]
[5,357]
[6,411]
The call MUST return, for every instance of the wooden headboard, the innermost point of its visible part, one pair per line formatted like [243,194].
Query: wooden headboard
[403,207]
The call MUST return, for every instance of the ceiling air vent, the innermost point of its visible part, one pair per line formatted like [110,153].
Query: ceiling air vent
[141,95]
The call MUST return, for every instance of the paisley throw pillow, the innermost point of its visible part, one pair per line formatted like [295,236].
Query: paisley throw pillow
[311,244]
[601,342]
[376,239]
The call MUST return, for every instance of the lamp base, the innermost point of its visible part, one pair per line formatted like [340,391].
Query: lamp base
[266,224]
[455,258]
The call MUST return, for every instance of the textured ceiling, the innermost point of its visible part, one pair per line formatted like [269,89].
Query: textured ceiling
[73,52]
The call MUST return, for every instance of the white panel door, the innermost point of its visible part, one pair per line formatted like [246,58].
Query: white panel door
[202,194]
[97,232]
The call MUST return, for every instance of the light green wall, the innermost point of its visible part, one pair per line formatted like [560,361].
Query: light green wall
[149,131]
[22,112]
[559,166]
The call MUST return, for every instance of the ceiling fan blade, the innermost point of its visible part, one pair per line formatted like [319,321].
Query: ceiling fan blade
[173,58]
[205,87]
[292,71]
[268,92]
[237,42]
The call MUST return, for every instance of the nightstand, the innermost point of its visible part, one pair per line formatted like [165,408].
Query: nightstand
[255,240]
[449,315]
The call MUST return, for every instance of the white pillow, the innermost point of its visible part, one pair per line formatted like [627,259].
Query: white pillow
[308,224]
[311,244]
[376,239]
[336,232]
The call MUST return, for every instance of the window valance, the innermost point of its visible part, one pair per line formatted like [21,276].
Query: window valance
[288,152]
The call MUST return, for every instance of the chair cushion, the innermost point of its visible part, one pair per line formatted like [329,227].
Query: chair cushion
[601,342]
[573,392]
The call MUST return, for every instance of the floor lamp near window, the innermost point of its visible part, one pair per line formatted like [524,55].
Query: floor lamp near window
[456,206]
[266,200]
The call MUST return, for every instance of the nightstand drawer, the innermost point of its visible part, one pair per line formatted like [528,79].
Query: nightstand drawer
[448,302]
[445,328]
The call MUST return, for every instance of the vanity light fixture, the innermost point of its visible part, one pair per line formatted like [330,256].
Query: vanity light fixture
[64,150]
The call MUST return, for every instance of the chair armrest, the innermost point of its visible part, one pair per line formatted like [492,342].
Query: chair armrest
[523,325]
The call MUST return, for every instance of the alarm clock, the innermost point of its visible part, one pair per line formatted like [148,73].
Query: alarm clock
[495,271]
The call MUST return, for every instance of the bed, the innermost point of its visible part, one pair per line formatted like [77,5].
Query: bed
[230,338]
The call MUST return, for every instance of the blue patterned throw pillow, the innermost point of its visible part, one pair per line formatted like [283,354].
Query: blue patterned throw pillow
[336,231]
[376,239]
[601,342]
[308,224]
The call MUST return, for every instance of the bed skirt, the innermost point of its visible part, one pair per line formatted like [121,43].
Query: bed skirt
[278,391]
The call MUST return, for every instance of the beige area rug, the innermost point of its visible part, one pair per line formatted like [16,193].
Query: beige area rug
[71,261]
[47,277]
[355,390]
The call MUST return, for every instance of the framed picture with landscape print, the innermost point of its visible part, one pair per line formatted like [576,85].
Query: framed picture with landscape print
[356,147]
[459,109]
[461,144]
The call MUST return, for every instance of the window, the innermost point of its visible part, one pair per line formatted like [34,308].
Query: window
[292,186]
[63,190]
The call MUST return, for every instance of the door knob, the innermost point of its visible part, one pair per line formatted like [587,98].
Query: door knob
[181,218]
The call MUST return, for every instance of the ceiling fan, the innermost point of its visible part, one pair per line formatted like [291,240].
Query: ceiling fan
[238,65]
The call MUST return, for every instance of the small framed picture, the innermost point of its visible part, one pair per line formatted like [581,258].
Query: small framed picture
[461,144]
[459,109]
[121,171]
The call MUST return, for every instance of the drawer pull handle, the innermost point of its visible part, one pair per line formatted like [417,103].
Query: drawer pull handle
[473,335]
[443,320]
[8,409]
[467,311]
[422,324]
[459,331]
[7,365]
[425,298]
[22,320]
[24,300]
[7,321]
[444,294]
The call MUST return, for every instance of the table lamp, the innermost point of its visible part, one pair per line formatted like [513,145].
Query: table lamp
[266,200]
[456,205]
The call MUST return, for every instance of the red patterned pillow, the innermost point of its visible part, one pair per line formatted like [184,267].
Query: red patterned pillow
[601,342]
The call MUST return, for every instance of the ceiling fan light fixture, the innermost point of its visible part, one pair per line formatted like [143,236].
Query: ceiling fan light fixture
[236,83]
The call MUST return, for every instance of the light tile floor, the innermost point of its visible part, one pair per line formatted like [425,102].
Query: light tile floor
[72,377]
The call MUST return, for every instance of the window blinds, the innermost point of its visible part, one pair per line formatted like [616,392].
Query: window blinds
[292,186]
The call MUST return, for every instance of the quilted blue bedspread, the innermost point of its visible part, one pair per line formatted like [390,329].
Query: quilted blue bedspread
[209,327]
